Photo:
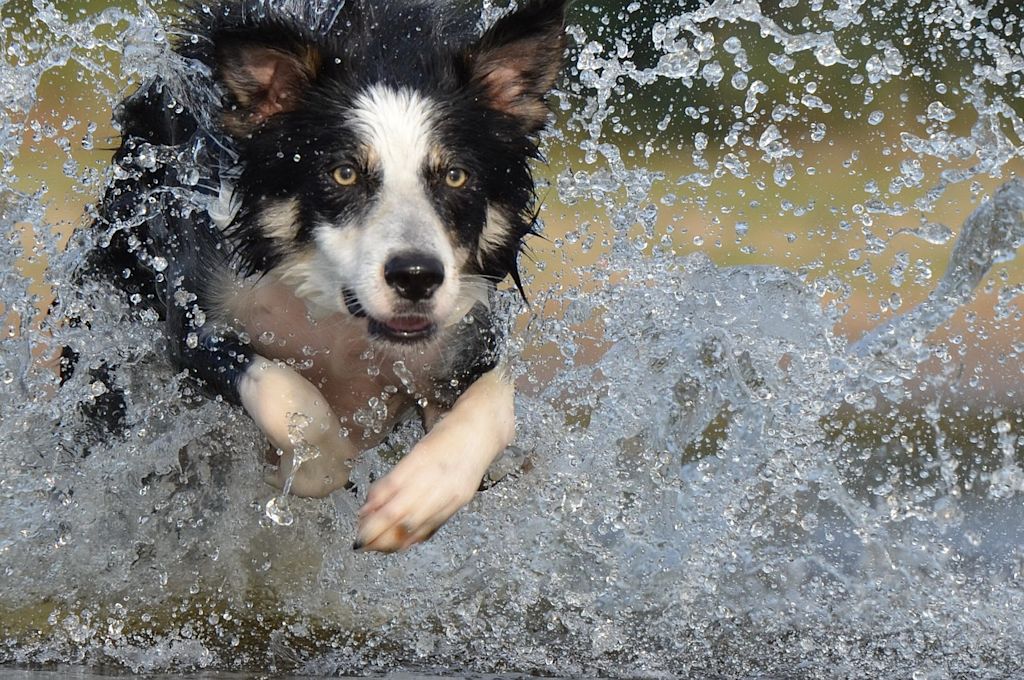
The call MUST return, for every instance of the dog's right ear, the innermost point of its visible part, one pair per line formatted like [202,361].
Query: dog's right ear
[263,79]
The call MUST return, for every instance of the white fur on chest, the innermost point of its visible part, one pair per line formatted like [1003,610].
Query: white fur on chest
[368,385]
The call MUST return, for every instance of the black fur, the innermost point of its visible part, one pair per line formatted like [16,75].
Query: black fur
[162,244]
[396,44]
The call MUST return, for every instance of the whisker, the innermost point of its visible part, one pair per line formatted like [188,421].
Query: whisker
[480,278]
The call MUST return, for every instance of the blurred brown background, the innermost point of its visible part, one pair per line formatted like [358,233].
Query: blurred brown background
[837,203]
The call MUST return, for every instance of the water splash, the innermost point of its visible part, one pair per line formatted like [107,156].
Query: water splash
[991,234]
[710,479]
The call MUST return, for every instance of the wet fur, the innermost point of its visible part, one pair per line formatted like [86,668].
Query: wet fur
[246,208]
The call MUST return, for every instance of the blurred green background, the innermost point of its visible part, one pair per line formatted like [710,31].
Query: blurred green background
[846,178]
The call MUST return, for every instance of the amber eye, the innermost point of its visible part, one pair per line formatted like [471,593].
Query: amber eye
[456,178]
[345,175]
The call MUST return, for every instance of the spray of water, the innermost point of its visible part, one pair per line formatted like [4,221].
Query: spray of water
[718,481]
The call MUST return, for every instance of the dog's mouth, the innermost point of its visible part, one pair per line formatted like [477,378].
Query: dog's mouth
[402,328]
[406,329]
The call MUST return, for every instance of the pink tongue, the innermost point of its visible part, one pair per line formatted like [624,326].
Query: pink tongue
[409,324]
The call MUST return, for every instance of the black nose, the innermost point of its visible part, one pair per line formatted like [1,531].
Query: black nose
[413,275]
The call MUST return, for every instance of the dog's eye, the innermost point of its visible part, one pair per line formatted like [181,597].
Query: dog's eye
[456,178]
[345,175]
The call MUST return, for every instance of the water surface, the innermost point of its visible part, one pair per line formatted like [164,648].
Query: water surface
[769,379]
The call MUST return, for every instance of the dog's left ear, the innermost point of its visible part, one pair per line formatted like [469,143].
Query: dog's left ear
[518,60]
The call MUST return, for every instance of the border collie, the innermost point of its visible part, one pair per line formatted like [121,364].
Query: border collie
[319,203]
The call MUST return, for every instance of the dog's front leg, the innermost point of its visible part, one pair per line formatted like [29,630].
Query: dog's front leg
[443,471]
[296,418]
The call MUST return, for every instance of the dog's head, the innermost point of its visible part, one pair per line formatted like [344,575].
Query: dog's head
[385,162]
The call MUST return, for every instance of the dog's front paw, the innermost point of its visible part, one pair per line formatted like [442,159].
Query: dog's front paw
[409,504]
[441,473]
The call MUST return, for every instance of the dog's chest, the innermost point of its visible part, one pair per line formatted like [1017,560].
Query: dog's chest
[369,388]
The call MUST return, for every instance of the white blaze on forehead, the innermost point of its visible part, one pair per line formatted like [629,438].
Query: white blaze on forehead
[398,126]
[397,129]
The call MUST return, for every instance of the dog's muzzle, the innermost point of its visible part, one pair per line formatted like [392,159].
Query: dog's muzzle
[414,277]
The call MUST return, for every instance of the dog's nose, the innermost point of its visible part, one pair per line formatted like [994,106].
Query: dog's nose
[414,276]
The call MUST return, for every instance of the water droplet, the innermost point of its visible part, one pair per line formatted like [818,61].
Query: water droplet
[406,376]
[933,232]
[278,512]
[937,111]
[712,73]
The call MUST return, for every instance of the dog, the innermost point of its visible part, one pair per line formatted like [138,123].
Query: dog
[319,203]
